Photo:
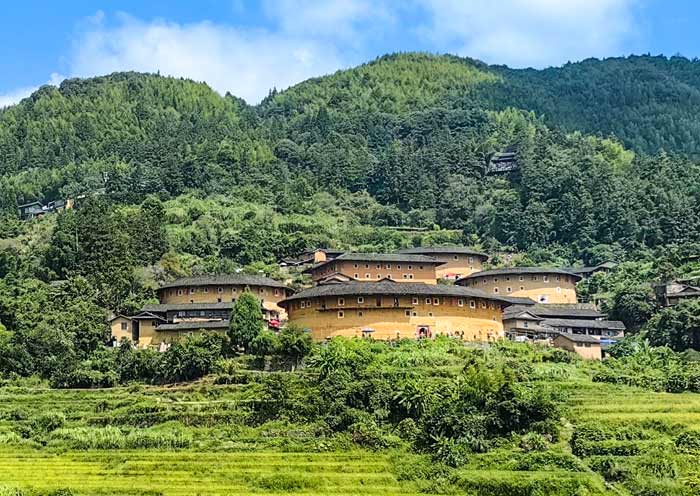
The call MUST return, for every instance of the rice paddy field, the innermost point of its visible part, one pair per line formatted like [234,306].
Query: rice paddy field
[187,440]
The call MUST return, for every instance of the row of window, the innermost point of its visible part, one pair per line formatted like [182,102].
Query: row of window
[219,290]
[545,278]
[409,313]
[388,266]
[522,288]
[414,301]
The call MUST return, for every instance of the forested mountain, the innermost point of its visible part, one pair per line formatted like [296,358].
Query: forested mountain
[403,140]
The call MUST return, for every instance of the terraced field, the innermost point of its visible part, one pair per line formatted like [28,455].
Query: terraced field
[191,439]
[189,473]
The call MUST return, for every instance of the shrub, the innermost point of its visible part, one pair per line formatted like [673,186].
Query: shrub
[688,442]
[190,358]
[533,441]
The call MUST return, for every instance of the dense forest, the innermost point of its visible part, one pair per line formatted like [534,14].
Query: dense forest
[180,180]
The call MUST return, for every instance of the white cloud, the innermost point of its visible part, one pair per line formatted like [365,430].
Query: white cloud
[349,20]
[534,33]
[246,62]
[18,94]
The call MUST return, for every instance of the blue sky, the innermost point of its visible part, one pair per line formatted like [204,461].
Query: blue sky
[248,47]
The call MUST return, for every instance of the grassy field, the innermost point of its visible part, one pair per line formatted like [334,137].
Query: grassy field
[193,439]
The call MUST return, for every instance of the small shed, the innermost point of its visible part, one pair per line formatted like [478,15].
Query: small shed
[587,347]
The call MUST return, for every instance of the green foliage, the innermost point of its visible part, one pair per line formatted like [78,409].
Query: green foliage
[677,327]
[246,321]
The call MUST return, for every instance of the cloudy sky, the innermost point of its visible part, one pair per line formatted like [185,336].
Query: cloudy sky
[247,47]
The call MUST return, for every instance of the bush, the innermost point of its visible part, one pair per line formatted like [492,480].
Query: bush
[190,358]
[533,441]
[688,442]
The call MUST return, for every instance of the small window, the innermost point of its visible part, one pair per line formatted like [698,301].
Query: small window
[388,276]
[526,324]
[219,289]
[543,299]
[415,314]
[360,299]
[507,278]
[428,301]
[558,278]
[218,300]
[233,290]
[341,314]
[495,280]
[521,278]
[405,276]
[410,276]
[456,257]
[545,278]
[303,304]
[379,276]
[277,292]
[460,302]
[308,303]
[484,280]
[495,290]
[509,289]
[415,301]
[355,265]
[471,259]
[420,267]
[262,291]
[366,266]
[388,266]
[191,290]
[410,267]
[534,278]
[125,326]
[379,266]
[398,267]
[367,276]
[206,290]
[430,314]
[483,305]
[558,289]
[408,313]
[436,301]
[356,276]
[179,292]
[360,313]
[341,302]
[522,288]
[472,304]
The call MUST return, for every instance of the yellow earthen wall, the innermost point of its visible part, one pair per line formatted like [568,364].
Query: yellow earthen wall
[389,322]
[374,271]
[557,288]
[463,265]
[210,294]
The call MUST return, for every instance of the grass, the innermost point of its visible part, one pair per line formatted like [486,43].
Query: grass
[196,439]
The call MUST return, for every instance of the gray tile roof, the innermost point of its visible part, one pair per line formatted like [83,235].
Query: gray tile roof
[386,287]
[585,324]
[194,326]
[557,311]
[379,257]
[429,250]
[166,307]
[225,279]
[578,338]
[518,271]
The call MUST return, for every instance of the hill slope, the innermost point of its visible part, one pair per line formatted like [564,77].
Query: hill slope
[415,131]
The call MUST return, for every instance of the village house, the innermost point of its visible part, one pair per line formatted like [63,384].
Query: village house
[367,267]
[540,284]
[586,272]
[457,261]
[674,292]
[310,257]
[389,309]
[192,304]
[586,347]
[545,322]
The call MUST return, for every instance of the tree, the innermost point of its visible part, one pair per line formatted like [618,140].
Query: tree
[246,321]
[677,327]
[295,343]
[633,305]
